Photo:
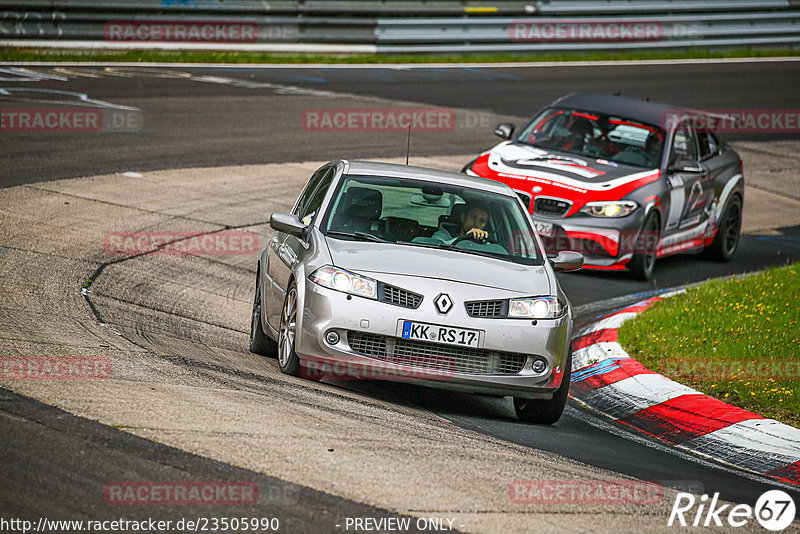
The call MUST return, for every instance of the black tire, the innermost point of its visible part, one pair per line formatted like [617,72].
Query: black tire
[728,232]
[546,412]
[643,263]
[260,342]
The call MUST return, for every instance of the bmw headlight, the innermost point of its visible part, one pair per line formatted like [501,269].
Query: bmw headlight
[345,281]
[617,208]
[536,308]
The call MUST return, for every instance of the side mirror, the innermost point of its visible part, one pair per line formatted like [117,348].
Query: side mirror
[687,166]
[504,130]
[287,223]
[567,260]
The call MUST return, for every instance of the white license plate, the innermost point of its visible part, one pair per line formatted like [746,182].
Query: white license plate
[464,337]
[544,229]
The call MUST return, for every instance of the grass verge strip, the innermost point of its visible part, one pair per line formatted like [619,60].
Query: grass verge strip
[736,339]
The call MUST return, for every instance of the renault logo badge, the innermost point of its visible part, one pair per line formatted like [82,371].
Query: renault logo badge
[443,303]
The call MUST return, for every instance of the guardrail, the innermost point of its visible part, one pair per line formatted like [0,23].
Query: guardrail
[401,8]
[365,25]
[589,33]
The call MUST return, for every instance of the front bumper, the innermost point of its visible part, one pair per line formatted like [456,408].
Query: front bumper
[326,311]
[605,244]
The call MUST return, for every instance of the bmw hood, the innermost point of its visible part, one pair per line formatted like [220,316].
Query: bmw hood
[409,260]
[579,179]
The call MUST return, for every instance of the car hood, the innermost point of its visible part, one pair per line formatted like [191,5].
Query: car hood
[556,174]
[526,159]
[414,261]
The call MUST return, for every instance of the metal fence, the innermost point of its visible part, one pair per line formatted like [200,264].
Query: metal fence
[401,26]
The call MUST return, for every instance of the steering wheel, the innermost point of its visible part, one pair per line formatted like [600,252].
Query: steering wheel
[486,239]
[467,236]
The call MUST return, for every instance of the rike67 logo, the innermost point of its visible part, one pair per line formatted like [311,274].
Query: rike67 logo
[774,510]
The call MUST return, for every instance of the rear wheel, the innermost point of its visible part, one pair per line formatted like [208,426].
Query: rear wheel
[545,412]
[260,342]
[643,262]
[730,227]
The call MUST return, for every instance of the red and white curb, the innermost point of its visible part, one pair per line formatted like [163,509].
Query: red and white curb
[606,379]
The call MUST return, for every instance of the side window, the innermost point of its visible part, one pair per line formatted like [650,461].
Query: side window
[684,144]
[709,146]
[308,192]
[314,203]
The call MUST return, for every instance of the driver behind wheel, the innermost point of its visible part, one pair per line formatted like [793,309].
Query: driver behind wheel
[473,221]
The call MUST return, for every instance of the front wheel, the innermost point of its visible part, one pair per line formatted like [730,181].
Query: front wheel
[730,227]
[546,412]
[288,361]
[643,263]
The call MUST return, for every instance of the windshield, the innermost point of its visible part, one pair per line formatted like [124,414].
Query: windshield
[595,135]
[418,213]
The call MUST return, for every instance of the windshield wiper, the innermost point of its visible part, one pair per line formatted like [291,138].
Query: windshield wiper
[359,235]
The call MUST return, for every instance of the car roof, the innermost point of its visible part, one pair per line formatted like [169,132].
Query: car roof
[645,111]
[394,170]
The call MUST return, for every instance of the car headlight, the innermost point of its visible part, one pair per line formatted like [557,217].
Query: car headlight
[536,308]
[344,281]
[618,208]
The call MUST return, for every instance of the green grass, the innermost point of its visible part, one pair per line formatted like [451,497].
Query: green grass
[32,54]
[735,339]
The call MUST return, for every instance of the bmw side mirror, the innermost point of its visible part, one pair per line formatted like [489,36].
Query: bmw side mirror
[687,166]
[288,223]
[504,130]
[567,260]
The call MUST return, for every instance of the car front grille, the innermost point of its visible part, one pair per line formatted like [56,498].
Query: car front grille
[400,297]
[435,356]
[487,308]
[550,207]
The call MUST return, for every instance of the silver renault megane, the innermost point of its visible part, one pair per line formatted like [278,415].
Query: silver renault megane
[393,272]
